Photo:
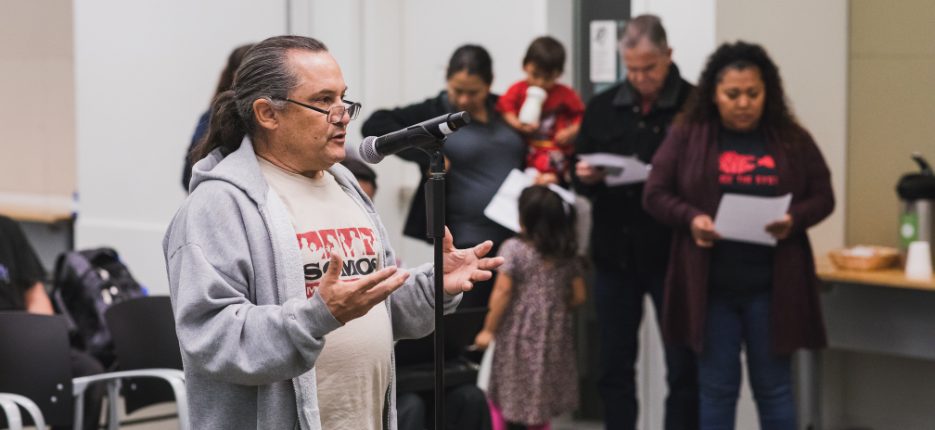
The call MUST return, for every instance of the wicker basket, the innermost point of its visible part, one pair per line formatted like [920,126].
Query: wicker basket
[865,258]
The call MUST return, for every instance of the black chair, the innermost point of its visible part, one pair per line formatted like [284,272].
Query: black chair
[35,363]
[143,330]
[415,358]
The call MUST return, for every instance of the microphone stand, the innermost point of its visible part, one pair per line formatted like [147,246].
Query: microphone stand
[435,222]
[419,136]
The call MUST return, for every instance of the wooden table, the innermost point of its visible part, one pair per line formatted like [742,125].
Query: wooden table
[33,215]
[38,208]
[878,312]
[891,278]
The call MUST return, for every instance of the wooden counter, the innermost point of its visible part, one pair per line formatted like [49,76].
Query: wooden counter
[880,312]
[893,277]
[34,215]
[876,312]
[38,208]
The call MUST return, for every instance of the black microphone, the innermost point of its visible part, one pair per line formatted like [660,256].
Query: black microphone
[423,135]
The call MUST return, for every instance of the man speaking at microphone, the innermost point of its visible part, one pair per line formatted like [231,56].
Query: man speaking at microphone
[285,298]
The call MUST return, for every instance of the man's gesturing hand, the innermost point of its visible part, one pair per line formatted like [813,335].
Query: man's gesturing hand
[463,267]
[348,300]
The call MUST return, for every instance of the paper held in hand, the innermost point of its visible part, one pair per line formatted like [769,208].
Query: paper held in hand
[620,169]
[744,218]
[504,206]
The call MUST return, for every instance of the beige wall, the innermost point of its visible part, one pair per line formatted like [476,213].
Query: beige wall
[808,41]
[891,111]
[37,115]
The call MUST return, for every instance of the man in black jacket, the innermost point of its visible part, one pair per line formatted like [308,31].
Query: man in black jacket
[629,248]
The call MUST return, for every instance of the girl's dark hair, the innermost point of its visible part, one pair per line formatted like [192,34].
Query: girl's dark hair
[777,118]
[547,54]
[233,62]
[473,59]
[548,223]
[265,72]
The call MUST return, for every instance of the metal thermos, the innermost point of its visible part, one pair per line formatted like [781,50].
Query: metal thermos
[917,192]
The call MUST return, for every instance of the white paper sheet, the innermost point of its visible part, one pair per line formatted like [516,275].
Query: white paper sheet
[744,218]
[486,362]
[620,169]
[504,206]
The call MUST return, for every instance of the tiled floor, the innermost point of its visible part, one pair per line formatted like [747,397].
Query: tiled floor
[566,423]
[562,423]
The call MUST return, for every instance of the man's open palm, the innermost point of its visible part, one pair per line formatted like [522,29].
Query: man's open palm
[464,267]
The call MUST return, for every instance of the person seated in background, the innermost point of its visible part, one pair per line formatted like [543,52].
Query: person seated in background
[465,409]
[224,84]
[22,289]
[467,405]
[366,177]
[550,134]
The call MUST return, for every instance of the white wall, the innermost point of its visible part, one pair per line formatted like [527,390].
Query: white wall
[396,52]
[690,28]
[144,72]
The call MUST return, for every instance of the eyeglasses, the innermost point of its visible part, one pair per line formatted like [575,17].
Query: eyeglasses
[336,112]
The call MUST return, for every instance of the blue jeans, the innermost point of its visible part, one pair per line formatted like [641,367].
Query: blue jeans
[732,322]
[619,298]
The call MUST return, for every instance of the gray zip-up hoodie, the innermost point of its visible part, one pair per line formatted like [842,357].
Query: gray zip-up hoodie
[248,334]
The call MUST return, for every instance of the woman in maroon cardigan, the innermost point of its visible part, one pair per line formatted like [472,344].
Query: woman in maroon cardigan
[737,135]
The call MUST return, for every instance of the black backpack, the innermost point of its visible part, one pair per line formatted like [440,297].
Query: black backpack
[86,283]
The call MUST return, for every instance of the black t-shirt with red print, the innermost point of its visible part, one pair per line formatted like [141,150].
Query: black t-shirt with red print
[746,166]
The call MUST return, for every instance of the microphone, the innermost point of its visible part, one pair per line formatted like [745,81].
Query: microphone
[423,135]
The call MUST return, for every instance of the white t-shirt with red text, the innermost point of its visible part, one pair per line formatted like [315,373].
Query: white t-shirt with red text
[353,369]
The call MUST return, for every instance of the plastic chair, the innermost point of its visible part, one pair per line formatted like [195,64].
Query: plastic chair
[35,364]
[10,403]
[143,330]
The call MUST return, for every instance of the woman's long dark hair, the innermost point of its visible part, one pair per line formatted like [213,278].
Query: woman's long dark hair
[264,73]
[548,223]
[226,81]
[777,119]
[473,59]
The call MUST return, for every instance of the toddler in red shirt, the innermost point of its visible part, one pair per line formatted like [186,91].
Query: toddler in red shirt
[549,120]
